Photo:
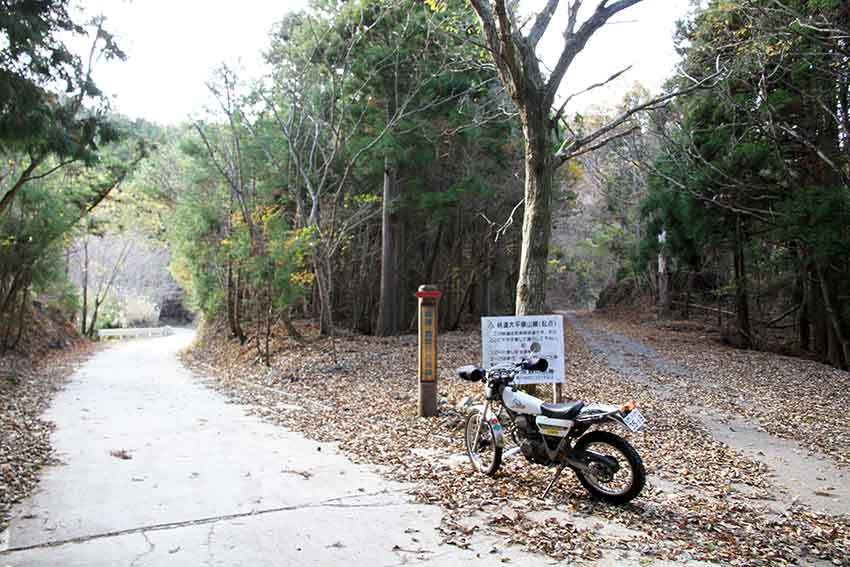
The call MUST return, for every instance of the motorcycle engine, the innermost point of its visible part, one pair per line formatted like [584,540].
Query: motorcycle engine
[530,441]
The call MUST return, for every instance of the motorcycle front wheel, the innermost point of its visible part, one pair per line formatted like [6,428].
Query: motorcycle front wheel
[618,484]
[484,454]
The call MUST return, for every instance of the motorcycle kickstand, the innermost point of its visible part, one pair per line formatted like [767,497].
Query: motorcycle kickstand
[553,481]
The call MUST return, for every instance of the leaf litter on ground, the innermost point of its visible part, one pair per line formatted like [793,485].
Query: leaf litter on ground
[365,400]
[26,389]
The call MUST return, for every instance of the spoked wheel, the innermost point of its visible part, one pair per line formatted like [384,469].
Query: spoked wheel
[616,472]
[481,446]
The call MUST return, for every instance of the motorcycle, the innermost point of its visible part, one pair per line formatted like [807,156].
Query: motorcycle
[553,435]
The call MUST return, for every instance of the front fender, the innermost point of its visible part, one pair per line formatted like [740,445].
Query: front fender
[495,425]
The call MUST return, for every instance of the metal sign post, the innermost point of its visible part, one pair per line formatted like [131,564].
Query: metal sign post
[429,300]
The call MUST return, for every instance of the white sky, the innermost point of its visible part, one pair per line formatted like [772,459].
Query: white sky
[173,45]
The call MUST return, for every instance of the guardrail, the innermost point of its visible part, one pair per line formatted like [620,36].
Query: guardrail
[135,333]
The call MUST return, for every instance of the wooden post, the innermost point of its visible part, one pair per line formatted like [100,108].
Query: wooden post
[429,301]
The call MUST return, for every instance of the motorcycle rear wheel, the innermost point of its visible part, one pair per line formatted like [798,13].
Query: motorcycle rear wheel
[606,485]
[486,457]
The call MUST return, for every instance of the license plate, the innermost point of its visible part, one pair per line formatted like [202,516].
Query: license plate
[635,421]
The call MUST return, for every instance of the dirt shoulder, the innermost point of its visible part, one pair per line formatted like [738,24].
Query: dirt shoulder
[26,390]
[705,501]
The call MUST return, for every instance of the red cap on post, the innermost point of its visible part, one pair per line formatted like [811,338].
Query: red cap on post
[429,294]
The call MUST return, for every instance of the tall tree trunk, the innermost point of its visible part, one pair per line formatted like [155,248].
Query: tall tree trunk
[537,219]
[293,333]
[838,348]
[431,264]
[84,315]
[485,294]
[665,299]
[801,297]
[389,310]
[231,319]
[324,284]
[820,322]
[237,309]
[686,313]
[742,306]
[22,316]
[94,315]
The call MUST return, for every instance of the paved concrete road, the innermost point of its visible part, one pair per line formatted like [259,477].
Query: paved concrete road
[207,484]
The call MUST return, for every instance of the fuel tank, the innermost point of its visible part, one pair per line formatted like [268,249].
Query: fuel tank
[520,402]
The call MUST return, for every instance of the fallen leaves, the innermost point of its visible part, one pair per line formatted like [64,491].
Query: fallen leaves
[704,501]
[25,392]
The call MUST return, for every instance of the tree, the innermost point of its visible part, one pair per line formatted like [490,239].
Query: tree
[534,95]
[759,168]
[325,103]
[41,221]
[37,123]
[99,263]
[519,69]
[411,74]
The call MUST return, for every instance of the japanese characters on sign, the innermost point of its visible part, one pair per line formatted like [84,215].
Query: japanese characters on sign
[428,347]
[509,339]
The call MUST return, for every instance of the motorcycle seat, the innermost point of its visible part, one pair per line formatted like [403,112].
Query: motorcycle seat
[566,410]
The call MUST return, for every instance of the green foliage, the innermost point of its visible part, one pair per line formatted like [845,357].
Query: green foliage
[757,169]
[34,62]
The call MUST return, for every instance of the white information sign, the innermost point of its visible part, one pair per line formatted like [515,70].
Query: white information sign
[509,339]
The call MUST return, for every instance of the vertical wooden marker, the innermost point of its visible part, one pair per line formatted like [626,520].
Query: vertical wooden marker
[429,301]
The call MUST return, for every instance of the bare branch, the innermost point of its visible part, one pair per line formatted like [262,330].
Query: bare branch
[507,48]
[571,148]
[613,77]
[507,224]
[596,146]
[576,40]
[542,22]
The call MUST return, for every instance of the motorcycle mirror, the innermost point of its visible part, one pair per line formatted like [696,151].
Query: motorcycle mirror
[535,347]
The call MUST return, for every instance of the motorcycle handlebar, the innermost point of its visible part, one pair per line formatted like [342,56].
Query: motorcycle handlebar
[508,370]
[535,365]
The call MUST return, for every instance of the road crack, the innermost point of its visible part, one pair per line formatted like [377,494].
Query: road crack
[337,502]
[151,548]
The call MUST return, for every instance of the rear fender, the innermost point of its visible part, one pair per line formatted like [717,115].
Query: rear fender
[597,413]
[495,425]
[618,418]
